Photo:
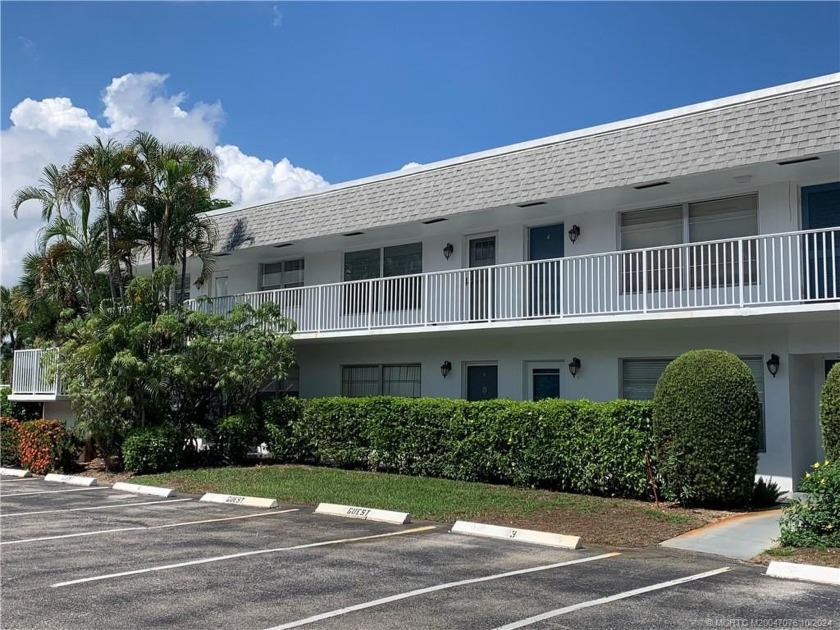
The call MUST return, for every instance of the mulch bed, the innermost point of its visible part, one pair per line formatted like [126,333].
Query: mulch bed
[829,557]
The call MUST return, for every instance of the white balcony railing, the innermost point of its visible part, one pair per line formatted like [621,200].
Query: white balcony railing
[766,270]
[34,373]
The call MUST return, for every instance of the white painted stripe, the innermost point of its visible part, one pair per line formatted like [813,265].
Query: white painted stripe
[5,481]
[95,507]
[29,494]
[612,598]
[74,480]
[143,528]
[807,572]
[15,472]
[437,587]
[141,489]
[244,554]
[235,499]
[363,513]
[516,535]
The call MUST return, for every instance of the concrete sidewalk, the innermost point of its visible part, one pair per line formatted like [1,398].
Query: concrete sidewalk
[741,537]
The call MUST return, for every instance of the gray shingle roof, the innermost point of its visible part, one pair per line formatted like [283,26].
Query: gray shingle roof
[772,128]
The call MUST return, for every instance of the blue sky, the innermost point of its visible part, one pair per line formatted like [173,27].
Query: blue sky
[300,94]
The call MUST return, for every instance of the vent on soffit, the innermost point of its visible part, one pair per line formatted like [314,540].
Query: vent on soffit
[283,245]
[798,160]
[353,234]
[438,220]
[650,185]
[530,203]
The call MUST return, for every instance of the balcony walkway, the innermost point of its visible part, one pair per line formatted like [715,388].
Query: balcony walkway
[716,277]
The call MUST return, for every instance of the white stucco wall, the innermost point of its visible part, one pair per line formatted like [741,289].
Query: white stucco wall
[59,410]
[790,412]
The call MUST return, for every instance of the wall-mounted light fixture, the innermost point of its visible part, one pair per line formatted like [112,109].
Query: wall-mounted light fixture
[773,365]
[446,368]
[574,232]
[447,251]
[574,366]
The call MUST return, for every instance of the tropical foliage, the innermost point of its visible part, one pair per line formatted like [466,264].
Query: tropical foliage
[146,363]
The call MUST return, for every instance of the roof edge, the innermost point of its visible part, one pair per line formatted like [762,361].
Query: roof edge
[637,121]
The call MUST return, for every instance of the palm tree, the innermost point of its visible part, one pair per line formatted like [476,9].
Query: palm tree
[172,175]
[79,249]
[99,170]
[52,192]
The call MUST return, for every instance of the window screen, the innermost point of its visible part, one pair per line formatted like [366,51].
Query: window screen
[376,380]
[282,275]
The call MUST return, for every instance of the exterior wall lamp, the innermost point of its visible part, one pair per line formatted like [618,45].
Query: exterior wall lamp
[574,232]
[446,368]
[773,365]
[447,251]
[574,366]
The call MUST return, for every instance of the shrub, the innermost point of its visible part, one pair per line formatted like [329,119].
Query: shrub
[706,422]
[579,446]
[815,521]
[280,417]
[237,434]
[152,450]
[830,414]
[765,493]
[46,446]
[9,442]
[19,411]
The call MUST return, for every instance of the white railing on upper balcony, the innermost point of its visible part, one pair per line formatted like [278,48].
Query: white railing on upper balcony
[34,372]
[766,270]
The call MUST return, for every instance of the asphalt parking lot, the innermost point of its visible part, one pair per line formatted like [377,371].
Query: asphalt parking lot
[98,558]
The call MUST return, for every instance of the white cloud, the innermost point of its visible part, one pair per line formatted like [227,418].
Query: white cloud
[50,129]
[410,166]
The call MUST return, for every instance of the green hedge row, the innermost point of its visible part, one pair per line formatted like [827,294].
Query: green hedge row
[578,446]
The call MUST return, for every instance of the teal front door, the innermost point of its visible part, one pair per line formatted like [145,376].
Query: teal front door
[546,243]
[821,210]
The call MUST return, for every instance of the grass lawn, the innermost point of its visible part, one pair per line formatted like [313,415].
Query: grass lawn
[614,522]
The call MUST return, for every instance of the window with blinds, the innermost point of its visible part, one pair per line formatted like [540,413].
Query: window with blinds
[671,268]
[282,275]
[387,262]
[381,380]
[640,376]
[717,264]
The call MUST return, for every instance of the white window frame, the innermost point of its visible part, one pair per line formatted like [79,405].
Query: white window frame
[283,282]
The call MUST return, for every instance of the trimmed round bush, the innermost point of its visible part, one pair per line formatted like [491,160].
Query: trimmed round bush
[706,423]
[830,414]
[152,450]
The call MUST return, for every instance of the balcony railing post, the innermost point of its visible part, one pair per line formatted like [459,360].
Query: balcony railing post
[644,282]
[741,273]
[319,311]
[425,280]
[371,287]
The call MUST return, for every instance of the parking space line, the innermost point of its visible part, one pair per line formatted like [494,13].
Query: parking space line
[4,479]
[243,554]
[145,527]
[29,494]
[611,598]
[95,507]
[437,587]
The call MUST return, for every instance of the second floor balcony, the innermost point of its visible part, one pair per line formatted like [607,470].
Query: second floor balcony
[775,270]
[35,376]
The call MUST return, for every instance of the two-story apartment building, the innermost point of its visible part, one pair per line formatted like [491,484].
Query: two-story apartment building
[573,266]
